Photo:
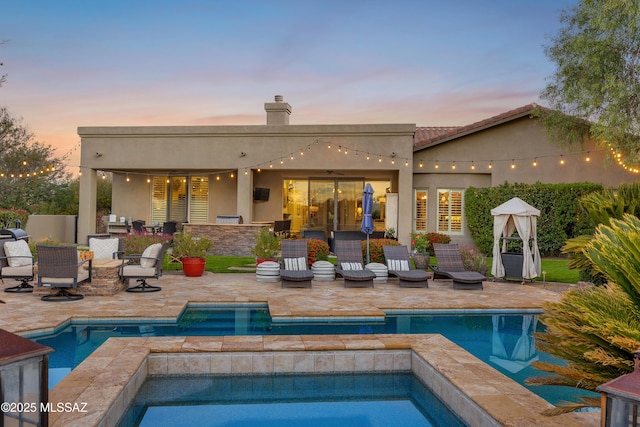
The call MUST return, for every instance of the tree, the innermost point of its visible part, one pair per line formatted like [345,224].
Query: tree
[595,90]
[595,329]
[29,171]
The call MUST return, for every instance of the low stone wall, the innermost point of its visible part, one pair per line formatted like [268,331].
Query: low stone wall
[227,239]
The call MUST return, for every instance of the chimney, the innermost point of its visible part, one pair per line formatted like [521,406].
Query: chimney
[278,112]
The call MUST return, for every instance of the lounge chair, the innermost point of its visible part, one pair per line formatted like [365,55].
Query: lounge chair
[141,267]
[60,268]
[450,266]
[350,266]
[399,265]
[294,271]
[16,262]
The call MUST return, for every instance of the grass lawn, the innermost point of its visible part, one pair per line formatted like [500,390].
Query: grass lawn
[221,264]
[556,269]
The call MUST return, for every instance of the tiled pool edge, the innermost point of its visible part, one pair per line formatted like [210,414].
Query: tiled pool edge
[109,379]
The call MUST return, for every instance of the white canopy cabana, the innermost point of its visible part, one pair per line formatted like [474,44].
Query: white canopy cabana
[512,215]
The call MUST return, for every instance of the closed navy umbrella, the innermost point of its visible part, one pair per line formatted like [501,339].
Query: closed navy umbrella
[367,207]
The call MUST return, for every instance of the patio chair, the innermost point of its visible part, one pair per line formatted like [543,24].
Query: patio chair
[350,266]
[399,265]
[282,228]
[314,234]
[169,227]
[60,268]
[138,226]
[294,271]
[106,248]
[16,262]
[141,267]
[450,266]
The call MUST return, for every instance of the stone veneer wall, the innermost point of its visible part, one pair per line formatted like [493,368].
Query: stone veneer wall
[227,239]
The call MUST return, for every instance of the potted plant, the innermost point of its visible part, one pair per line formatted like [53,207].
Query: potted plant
[421,255]
[192,251]
[267,246]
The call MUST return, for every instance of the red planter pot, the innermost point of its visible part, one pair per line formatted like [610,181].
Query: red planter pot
[193,267]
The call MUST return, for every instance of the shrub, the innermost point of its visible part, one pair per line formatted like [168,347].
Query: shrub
[561,216]
[376,253]
[317,250]
[136,243]
[423,242]
[189,246]
[8,218]
[473,259]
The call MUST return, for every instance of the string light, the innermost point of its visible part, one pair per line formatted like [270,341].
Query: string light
[473,166]
[453,165]
[513,164]
[437,165]
[561,159]
[535,162]
[420,164]
[588,158]
[491,164]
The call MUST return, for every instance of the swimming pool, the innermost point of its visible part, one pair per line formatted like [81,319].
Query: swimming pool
[502,340]
[310,400]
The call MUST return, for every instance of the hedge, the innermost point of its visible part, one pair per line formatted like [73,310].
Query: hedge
[561,216]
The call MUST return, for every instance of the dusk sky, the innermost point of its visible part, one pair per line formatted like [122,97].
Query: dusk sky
[432,63]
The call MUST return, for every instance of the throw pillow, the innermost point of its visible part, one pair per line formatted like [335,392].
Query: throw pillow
[351,266]
[103,248]
[148,259]
[18,253]
[295,264]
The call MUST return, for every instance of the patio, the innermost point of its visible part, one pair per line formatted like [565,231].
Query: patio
[26,313]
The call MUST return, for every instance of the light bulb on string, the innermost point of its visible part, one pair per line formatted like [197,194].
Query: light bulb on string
[420,164]
[513,163]
[561,159]
[368,156]
[437,165]
[473,166]
[453,165]
[491,164]
[406,162]
[535,162]
[587,159]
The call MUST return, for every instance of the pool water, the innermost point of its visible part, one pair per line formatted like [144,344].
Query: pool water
[503,341]
[329,400]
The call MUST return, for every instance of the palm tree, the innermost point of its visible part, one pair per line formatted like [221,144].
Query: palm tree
[596,329]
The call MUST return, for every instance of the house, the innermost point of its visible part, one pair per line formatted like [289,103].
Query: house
[510,147]
[314,175]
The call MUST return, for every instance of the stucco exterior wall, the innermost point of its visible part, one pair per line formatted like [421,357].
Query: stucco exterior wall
[521,142]
[213,150]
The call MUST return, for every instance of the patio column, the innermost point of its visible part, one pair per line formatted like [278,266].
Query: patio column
[244,204]
[405,204]
[87,204]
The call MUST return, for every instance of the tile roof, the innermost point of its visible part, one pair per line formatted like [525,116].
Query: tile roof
[428,136]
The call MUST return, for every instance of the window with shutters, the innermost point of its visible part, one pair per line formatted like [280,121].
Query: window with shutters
[450,211]
[180,198]
[199,200]
[420,210]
